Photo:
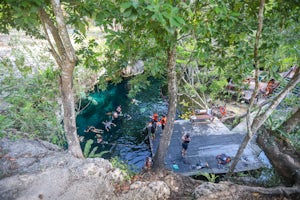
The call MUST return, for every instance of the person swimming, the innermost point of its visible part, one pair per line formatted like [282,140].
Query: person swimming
[127,117]
[99,138]
[108,125]
[93,129]
[135,102]
[119,109]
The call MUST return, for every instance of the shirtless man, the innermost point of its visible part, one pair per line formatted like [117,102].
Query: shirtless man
[185,142]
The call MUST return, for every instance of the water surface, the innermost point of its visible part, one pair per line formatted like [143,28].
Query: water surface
[126,140]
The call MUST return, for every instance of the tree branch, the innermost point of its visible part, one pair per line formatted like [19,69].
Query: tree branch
[259,120]
[250,131]
[45,19]
[204,104]
[63,32]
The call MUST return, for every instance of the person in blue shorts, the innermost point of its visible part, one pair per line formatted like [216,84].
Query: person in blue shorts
[185,142]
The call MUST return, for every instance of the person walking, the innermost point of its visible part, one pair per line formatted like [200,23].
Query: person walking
[185,142]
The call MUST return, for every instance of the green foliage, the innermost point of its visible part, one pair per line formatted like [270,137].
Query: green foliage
[210,177]
[186,115]
[272,123]
[124,167]
[269,178]
[32,102]
[293,138]
[91,154]
[217,86]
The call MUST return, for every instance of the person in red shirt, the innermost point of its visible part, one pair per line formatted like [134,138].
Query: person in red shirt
[155,117]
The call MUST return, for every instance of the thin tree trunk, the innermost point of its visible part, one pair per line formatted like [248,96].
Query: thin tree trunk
[64,54]
[255,92]
[159,158]
[69,113]
[69,59]
[260,119]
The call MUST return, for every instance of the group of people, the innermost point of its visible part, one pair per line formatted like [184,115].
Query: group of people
[152,125]
[107,125]
[97,132]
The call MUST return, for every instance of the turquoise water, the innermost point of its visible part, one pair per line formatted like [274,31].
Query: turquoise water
[126,140]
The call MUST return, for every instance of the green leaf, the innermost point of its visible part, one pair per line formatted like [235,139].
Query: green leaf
[179,20]
[127,12]
[125,6]
[87,148]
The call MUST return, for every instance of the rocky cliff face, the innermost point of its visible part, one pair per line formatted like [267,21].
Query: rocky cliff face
[34,169]
[133,69]
[39,170]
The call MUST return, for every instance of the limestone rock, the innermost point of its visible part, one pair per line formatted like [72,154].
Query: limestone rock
[43,171]
[133,69]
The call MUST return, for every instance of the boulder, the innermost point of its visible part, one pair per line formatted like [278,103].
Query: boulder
[34,169]
[133,69]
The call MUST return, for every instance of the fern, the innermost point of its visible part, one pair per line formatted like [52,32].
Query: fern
[210,177]
[91,154]
[87,148]
[97,155]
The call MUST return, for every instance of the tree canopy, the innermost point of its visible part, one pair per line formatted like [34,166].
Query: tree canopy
[201,44]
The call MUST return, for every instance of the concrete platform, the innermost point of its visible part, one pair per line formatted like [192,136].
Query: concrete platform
[208,139]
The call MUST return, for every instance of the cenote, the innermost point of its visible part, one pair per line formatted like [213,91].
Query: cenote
[126,140]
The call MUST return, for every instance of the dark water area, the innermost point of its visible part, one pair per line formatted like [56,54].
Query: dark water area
[126,140]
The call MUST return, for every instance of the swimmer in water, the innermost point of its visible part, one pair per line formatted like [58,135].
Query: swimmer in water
[127,116]
[135,102]
[119,109]
[93,129]
[99,138]
[108,124]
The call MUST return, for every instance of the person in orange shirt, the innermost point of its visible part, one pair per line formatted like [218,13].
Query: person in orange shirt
[155,117]
[163,122]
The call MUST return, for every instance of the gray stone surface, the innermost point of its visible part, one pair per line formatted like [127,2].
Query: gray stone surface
[38,170]
[209,139]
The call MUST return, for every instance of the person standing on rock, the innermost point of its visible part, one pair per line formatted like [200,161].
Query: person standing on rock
[185,142]
[163,122]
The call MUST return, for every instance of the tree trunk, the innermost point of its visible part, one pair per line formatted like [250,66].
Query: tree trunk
[231,191]
[287,164]
[159,158]
[292,122]
[248,117]
[64,55]
[69,59]
[69,111]
[260,119]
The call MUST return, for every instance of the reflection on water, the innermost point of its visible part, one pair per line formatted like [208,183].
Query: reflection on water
[126,140]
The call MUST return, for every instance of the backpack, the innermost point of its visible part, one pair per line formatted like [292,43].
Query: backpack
[153,128]
[223,159]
